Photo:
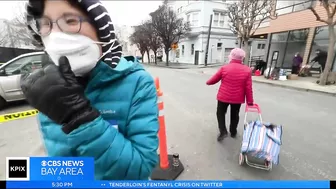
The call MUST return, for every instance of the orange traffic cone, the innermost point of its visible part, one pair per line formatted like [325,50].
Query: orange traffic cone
[170,166]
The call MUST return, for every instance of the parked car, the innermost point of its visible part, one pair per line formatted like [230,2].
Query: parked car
[10,74]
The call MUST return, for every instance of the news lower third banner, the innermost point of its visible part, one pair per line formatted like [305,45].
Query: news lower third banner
[75,172]
[169,184]
[49,168]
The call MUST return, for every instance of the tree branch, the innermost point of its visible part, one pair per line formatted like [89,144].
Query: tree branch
[168,26]
[333,8]
[318,18]
[246,16]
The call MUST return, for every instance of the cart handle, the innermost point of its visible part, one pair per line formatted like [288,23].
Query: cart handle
[253,108]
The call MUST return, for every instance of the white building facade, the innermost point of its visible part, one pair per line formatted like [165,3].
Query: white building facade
[192,48]
[123,32]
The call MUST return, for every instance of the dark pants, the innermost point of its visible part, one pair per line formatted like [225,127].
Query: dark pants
[322,66]
[295,69]
[234,117]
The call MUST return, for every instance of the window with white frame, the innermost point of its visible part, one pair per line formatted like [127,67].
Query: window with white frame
[194,19]
[179,10]
[221,20]
[219,45]
[188,18]
[218,19]
[261,46]
[182,50]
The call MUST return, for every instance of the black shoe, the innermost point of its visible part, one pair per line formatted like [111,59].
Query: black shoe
[233,135]
[221,136]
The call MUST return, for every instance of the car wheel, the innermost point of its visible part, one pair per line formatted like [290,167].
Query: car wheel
[3,103]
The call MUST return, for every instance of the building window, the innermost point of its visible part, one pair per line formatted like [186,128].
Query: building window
[192,49]
[321,41]
[182,50]
[179,10]
[284,7]
[194,19]
[218,19]
[261,46]
[287,44]
[219,45]
[221,20]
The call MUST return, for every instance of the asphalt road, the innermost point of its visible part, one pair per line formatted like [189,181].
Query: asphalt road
[309,137]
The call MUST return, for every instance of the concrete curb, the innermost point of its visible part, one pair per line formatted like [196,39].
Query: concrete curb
[296,88]
[257,81]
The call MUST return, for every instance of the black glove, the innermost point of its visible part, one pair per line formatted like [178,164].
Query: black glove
[55,92]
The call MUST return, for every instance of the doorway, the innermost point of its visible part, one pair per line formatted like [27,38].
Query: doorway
[196,57]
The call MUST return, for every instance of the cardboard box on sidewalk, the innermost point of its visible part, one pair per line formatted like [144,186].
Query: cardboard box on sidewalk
[293,77]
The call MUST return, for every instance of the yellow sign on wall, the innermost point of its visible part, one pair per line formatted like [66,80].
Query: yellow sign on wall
[174,46]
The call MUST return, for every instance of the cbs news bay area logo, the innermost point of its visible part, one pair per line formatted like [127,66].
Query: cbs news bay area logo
[62,167]
[18,168]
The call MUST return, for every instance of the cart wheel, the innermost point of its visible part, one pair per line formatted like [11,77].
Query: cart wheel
[269,165]
[241,159]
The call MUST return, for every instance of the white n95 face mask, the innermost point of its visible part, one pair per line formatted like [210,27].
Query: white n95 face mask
[82,52]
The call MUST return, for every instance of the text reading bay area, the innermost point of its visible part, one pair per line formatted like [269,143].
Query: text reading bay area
[166,184]
[62,167]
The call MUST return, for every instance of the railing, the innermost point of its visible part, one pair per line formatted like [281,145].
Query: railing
[263,24]
[295,7]
[254,59]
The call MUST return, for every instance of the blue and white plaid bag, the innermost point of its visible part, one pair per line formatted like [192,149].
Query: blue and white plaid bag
[262,140]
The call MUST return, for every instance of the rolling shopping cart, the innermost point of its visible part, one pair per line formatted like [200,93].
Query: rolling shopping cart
[261,142]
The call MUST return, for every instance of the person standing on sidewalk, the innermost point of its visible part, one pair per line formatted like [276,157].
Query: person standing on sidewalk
[236,85]
[297,61]
[321,58]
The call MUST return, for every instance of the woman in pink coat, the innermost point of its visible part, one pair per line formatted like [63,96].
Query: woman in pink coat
[236,85]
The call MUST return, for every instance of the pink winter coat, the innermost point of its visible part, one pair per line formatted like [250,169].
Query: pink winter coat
[236,83]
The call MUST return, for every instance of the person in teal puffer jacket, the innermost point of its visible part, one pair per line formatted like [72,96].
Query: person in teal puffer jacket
[92,101]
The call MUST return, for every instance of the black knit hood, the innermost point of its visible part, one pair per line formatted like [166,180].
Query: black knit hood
[101,20]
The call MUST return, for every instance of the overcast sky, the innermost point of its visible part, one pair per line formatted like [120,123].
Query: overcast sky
[122,12]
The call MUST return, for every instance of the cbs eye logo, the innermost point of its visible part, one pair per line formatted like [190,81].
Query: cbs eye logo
[44,163]
[17,168]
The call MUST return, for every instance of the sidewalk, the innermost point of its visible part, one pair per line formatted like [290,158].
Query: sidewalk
[302,84]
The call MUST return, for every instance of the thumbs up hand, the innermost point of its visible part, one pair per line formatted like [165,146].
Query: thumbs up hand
[55,92]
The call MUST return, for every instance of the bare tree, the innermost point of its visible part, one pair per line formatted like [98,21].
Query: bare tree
[330,10]
[16,33]
[154,39]
[168,27]
[138,37]
[245,18]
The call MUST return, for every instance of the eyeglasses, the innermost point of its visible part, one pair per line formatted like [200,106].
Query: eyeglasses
[68,23]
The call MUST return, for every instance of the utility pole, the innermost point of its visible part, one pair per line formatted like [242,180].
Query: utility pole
[208,41]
